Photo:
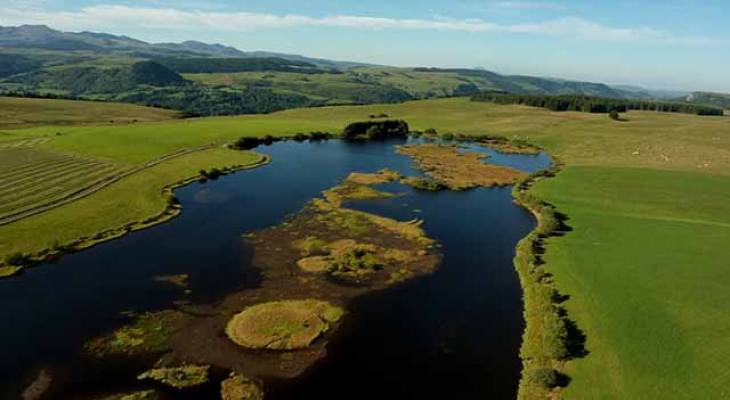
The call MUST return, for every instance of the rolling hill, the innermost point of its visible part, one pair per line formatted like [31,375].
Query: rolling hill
[721,100]
[213,79]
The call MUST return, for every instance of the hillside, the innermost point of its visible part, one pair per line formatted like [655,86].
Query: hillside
[212,79]
[721,100]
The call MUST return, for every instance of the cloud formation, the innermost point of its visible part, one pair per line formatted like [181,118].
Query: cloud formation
[106,17]
[528,5]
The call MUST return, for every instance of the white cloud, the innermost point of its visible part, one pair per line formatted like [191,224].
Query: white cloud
[528,5]
[116,17]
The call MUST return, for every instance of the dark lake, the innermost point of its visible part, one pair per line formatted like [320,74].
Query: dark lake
[454,334]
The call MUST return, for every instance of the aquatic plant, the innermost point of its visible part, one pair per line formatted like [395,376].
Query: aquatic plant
[239,387]
[459,170]
[425,184]
[148,333]
[282,325]
[385,175]
[544,377]
[140,395]
[178,377]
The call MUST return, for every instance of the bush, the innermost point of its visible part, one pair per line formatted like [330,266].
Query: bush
[431,131]
[213,174]
[317,136]
[447,136]
[300,137]
[268,140]
[246,143]
[614,115]
[17,259]
[545,377]
[376,130]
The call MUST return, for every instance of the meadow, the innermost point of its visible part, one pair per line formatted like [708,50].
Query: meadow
[644,265]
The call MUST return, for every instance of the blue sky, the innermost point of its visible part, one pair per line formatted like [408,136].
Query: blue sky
[659,44]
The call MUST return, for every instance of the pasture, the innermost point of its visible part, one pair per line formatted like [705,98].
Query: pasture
[20,113]
[33,178]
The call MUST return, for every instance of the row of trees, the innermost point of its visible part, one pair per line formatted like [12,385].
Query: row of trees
[591,104]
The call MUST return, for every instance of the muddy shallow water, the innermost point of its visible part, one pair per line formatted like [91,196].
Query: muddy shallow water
[452,334]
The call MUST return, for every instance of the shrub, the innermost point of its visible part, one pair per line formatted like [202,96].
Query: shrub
[246,143]
[317,136]
[447,136]
[268,140]
[375,130]
[614,115]
[431,131]
[17,259]
[300,137]
[545,377]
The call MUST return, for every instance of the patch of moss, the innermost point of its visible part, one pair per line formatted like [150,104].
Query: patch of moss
[239,387]
[178,377]
[282,325]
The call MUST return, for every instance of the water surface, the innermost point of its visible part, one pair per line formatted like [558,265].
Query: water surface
[454,334]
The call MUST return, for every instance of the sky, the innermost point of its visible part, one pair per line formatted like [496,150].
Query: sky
[664,44]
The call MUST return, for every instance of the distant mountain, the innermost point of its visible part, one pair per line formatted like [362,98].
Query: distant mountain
[43,37]
[721,100]
[531,85]
[660,94]
[214,79]
[193,46]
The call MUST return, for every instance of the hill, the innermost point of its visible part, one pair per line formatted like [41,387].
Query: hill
[213,79]
[721,100]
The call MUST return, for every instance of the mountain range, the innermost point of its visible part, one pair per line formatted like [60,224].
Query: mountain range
[40,60]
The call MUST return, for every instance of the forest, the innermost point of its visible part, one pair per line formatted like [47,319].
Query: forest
[591,104]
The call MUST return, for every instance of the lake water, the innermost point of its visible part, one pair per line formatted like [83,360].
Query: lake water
[453,334]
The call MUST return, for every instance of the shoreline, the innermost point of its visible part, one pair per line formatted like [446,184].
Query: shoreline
[171,210]
[547,341]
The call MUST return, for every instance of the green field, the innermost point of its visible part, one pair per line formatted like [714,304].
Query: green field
[19,113]
[32,177]
[644,265]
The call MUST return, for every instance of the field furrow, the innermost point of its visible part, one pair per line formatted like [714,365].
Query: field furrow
[35,177]
[46,175]
[61,190]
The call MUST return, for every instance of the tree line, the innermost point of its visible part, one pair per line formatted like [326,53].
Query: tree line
[592,104]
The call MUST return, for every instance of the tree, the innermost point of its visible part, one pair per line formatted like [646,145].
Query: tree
[614,115]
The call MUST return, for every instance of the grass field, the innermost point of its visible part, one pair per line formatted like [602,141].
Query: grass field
[32,177]
[647,271]
[645,265]
[20,113]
